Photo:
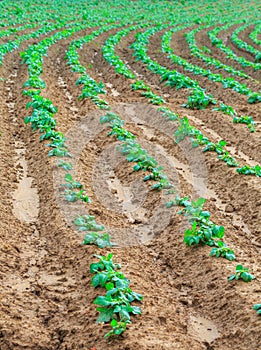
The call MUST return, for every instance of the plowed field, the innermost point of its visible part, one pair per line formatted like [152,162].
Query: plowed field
[46,297]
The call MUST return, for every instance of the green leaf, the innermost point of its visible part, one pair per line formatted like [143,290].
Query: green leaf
[105,315]
[247,277]
[137,167]
[257,306]
[231,277]
[239,268]
[95,280]
[109,286]
[68,177]
[101,279]
[230,256]
[101,300]
[114,323]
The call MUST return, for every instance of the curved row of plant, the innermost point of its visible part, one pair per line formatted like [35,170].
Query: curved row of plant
[92,89]
[198,98]
[216,41]
[205,53]
[185,129]
[226,82]
[115,306]
[243,44]
[255,33]
[203,230]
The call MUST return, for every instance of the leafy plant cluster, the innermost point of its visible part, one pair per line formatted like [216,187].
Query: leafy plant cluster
[153,98]
[91,89]
[250,170]
[203,230]
[198,99]
[197,138]
[245,119]
[115,306]
[42,119]
[135,153]
[257,308]
[96,234]
[242,273]
[74,190]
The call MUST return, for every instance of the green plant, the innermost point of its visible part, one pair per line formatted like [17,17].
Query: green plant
[140,85]
[222,250]
[65,165]
[257,307]
[73,196]
[117,328]
[242,273]
[250,170]
[245,119]
[198,99]
[71,183]
[115,307]
[135,153]
[168,114]
[88,223]
[226,109]
[102,240]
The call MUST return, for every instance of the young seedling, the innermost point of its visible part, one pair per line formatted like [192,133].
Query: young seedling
[242,273]
[59,152]
[88,223]
[250,170]
[245,119]
[198,99]
[226,109]
[117,328]
[74,190]
[64,165]
[115,307]
[222,250]
[102,240]
[71,183]
[73,196]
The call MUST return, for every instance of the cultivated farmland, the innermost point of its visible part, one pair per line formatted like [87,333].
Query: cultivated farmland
[130,175]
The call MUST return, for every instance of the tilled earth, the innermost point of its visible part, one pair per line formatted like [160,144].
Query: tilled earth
[45,292]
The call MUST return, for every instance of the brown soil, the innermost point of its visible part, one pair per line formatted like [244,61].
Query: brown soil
[45,293]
